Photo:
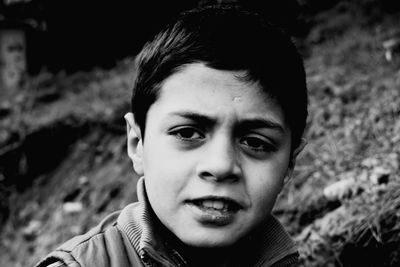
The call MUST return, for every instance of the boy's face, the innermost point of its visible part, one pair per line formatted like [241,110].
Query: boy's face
[215,154]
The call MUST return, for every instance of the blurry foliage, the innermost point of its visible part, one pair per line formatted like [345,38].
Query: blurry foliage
[62,134]
[353,134]
[365,231]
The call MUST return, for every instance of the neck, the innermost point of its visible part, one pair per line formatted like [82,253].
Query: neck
[215,257]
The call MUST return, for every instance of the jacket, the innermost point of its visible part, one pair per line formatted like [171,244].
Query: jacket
[129,238]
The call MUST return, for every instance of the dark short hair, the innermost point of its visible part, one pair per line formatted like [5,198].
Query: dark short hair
[225,38]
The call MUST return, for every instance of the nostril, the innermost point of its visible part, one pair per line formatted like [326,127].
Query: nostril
[219,177]
[206,175]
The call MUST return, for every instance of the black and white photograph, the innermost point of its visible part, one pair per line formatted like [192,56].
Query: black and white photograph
[191,133]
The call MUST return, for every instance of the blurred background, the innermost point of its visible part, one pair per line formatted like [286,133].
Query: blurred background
[66,72]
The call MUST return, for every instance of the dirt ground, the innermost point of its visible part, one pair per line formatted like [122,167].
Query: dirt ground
[63,164]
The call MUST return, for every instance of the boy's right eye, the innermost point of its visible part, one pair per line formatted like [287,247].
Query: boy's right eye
[187,133]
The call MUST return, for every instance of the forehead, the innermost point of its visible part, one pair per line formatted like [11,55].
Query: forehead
[218,93]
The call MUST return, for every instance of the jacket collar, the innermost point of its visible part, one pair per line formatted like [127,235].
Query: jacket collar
[138,222]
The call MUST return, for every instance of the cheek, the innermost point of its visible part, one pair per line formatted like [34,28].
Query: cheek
[265,190]
[166,174]
[265,182]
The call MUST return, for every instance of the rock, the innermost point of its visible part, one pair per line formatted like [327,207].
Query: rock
[83,180]
[380,175]
[72,207]
[370,162]
[394,161]
[32,229]
[5,108]
[341,190]
[392,48]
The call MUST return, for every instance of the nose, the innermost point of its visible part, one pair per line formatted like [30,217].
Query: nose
[220,162]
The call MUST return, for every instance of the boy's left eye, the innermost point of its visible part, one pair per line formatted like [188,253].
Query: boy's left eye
[257,144]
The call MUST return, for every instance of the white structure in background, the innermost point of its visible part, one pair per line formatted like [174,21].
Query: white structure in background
[392,48]
[12,57]
[20,21]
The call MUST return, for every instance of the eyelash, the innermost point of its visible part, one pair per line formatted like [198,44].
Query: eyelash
[261,146]
[180,133]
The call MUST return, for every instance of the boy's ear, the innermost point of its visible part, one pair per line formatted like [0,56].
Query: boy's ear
[134,143]
[292,163]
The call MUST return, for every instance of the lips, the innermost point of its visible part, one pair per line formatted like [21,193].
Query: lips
[214,211]
[222,204]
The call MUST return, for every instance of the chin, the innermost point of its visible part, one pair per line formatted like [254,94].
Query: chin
[209,240]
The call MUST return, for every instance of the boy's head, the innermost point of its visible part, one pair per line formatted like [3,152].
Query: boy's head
[225,39]
[218,110]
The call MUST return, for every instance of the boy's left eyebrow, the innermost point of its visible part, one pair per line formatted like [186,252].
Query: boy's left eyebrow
[258,123]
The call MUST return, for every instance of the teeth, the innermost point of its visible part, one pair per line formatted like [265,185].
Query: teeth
[218,205]
[207,203]
[215,204]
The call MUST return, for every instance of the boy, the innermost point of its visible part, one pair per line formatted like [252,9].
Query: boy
[218,111]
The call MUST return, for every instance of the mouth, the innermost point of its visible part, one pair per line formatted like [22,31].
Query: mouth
[213,203]
[214,211]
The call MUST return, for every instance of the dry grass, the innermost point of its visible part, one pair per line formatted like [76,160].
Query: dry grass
[365,231]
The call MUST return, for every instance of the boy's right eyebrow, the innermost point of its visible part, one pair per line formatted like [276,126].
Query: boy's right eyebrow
[197,117]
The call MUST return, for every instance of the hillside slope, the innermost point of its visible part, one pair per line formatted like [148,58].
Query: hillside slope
[64,167]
